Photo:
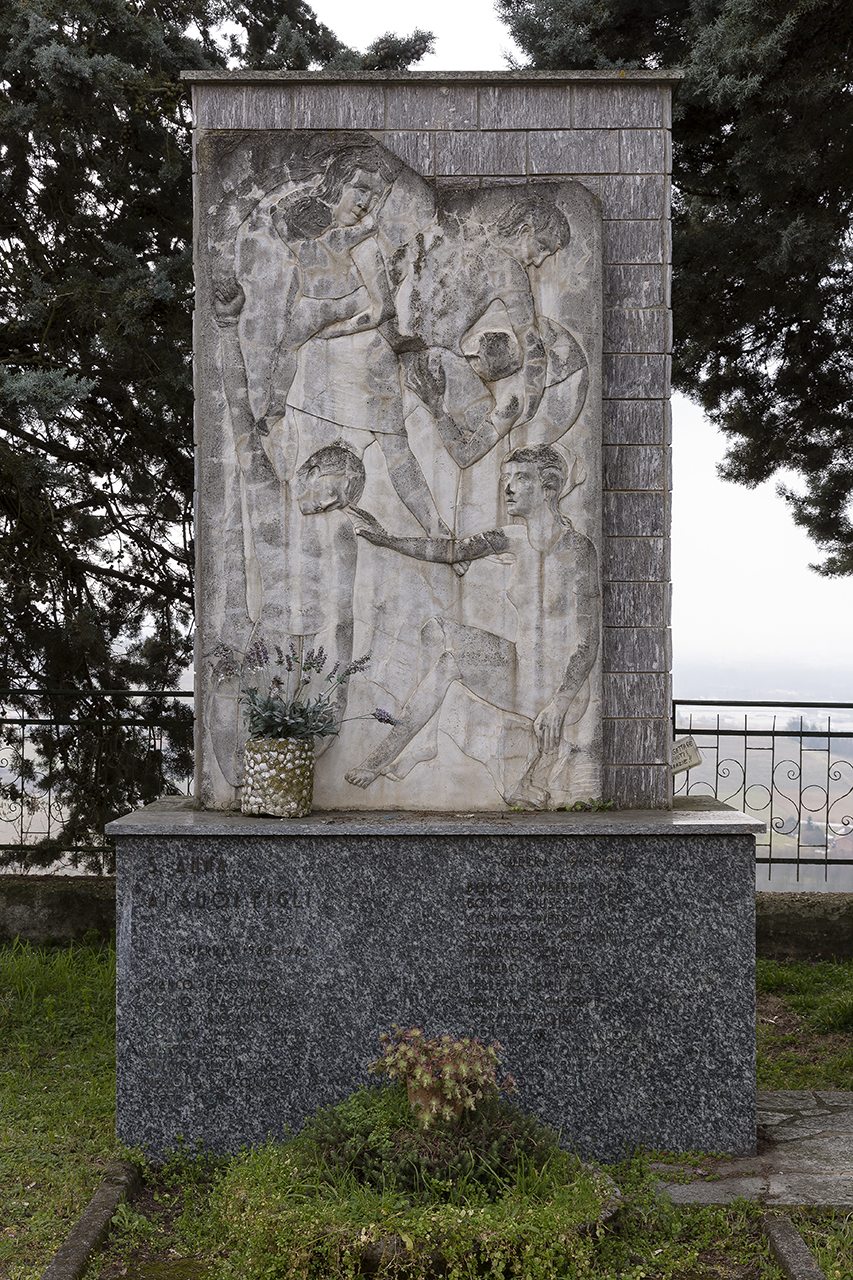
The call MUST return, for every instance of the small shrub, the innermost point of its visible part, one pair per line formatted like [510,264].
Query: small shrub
[374,1137]
[443,1076]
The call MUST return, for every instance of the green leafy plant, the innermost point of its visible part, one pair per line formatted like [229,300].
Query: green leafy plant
[443,1076]
[375,1136]
[285,1210]
[590,806]
[130,1225]
[284,704]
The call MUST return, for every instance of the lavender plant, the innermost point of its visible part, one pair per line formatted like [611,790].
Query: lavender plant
[286,703]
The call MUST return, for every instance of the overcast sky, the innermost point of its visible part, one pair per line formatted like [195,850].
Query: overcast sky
[750,619]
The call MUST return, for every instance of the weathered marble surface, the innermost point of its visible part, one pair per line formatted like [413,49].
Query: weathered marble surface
[399,451]
[257,969]
[689,816]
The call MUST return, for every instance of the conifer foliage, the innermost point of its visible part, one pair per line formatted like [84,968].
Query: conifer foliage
[96,473]
[287,35]
[763,177]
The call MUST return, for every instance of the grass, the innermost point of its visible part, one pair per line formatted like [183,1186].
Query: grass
[57,1095]
[249,1232]
[163,1231]
[56,1136]
[804,1024]
[822,991]
[828,1233]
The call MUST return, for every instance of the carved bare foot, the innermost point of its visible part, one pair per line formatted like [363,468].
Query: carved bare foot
[528,797]
[361,777]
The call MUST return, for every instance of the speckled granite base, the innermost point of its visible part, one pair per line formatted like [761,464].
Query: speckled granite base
[611,954]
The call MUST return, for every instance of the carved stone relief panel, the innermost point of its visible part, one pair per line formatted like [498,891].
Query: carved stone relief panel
[399,452]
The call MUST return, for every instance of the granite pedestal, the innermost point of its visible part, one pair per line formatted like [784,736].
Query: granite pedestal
[611,954]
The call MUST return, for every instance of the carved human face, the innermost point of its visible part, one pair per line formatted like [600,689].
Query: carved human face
[536,246]
[317,493]
[357,198]
[523,491]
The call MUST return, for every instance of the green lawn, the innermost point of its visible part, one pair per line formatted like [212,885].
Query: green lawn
[57,1095]
[805,1024]
[57,1112]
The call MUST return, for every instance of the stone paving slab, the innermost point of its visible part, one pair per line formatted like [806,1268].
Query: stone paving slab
[804,1156]
[722,1192]
[835,1190]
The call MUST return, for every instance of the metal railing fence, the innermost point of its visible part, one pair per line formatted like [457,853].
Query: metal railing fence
[788,763]
[72,760]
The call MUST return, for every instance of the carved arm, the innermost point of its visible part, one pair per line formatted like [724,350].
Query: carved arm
[434,550]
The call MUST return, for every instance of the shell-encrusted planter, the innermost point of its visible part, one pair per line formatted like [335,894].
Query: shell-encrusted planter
[278,777]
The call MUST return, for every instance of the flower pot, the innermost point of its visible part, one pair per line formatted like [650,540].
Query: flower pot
[278,777]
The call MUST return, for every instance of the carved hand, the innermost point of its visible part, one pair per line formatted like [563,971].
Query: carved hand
[548,725]
[367,526]
[426,377]
[227,304]
[354,313]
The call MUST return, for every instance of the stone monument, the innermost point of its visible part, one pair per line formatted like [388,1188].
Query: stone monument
[431,345]
[404,443]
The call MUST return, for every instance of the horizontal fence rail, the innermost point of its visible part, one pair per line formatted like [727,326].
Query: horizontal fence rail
[72,760]
[789,764]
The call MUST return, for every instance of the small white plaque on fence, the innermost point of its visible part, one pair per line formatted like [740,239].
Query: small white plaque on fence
[685,755]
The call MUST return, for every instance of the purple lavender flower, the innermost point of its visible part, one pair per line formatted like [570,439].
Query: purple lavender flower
[354,667]
[384,717]
[257,655]
[226,666]
[279,655]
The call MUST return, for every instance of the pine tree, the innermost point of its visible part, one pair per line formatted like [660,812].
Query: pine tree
[96,475]
[763,178]
[286,35]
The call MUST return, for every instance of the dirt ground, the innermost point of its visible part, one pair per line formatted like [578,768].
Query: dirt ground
[787,1031]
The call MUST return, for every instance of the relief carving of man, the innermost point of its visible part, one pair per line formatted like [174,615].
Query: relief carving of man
[332,362]
[554,589]
[327,485]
